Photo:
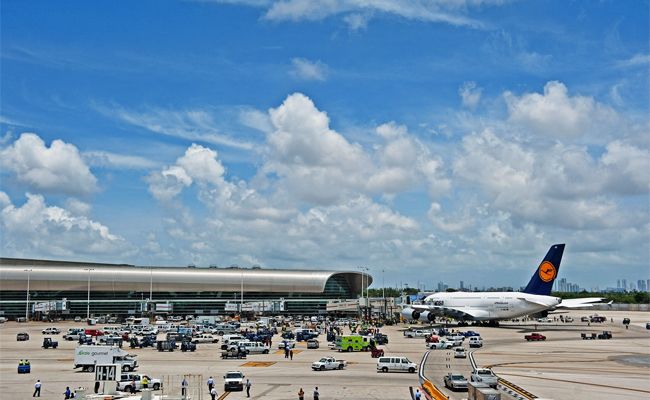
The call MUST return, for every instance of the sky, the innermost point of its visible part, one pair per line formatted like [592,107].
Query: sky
[425,140]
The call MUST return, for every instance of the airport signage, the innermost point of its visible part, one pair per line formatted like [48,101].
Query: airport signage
[107,372]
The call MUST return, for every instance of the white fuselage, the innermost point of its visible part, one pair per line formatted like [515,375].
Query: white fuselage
[489,305]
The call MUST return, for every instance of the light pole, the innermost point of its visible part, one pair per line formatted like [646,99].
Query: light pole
[88,303]
[383,292]
[27,297]
[241,300]
[151,290]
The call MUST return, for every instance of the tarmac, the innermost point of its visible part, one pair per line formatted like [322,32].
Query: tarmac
[562,367]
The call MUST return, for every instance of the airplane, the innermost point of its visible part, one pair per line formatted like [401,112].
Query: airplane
[494,306]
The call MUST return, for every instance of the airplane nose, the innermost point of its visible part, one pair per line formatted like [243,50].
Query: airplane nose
[559,300]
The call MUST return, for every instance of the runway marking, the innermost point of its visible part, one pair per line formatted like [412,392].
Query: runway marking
[258,364]
[223,396]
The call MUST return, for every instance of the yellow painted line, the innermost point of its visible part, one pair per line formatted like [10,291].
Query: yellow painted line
[258,364]
[223,396]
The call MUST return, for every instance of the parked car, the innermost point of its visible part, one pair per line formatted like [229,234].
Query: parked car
[484,375]
[313,344]
[22,336]
[459,352]
[535,337]
[455,381]
[233,381]
[418,333]
[51,331]
[401,364]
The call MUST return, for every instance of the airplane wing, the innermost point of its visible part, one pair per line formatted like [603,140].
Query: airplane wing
[583,302]
[454,312]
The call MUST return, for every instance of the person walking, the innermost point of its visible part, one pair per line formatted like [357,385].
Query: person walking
[97,384]
[210,384]
[37,388]
[301,394]
[184,386]
[213,393]
[145,382]
[291,354]
[133,385]
[418,395]
[67,392]
[316,394]
[248,387]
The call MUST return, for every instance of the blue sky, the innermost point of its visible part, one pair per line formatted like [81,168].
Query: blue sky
[434,140]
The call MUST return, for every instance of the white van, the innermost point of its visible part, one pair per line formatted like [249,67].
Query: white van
[475,341]
[253,347]
[399,364]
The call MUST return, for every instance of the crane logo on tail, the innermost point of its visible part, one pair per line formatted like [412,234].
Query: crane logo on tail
[547,271]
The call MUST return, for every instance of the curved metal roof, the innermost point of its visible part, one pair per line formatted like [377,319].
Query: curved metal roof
[74,276]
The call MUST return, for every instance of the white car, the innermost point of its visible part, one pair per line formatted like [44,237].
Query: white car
[328,363]
[459,352]
[418,333]
[51,331]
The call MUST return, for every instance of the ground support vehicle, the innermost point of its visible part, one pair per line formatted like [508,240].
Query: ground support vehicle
[535,337]
[481,391]
[24,367]
[87,357]
[328,363]
[188,346]
[588,336]
[111,340]
[484,375]
[22,336]
[48,342]
[126,382]
[233,381]
[166,345]
[380,338]
[605,335]
[455,381]
[233,352]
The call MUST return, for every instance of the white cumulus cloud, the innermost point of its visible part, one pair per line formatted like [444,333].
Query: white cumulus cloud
[38,230]
[56,169]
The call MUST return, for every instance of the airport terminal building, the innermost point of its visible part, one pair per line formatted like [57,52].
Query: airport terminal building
[69,288]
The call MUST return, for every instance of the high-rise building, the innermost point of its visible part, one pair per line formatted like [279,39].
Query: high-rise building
[462,286]
[618,284]
[640,284]
[442,287]
[624,284]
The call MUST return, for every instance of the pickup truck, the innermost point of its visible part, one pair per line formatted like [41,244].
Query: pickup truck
[535,337]
[328,363]
[443,344]
[455,381]
[417,333]
[126,382]
[204,338]
[484,375]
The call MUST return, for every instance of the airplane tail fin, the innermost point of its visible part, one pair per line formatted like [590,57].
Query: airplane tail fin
[542,281]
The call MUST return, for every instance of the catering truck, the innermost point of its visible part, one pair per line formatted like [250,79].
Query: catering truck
[87,356]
